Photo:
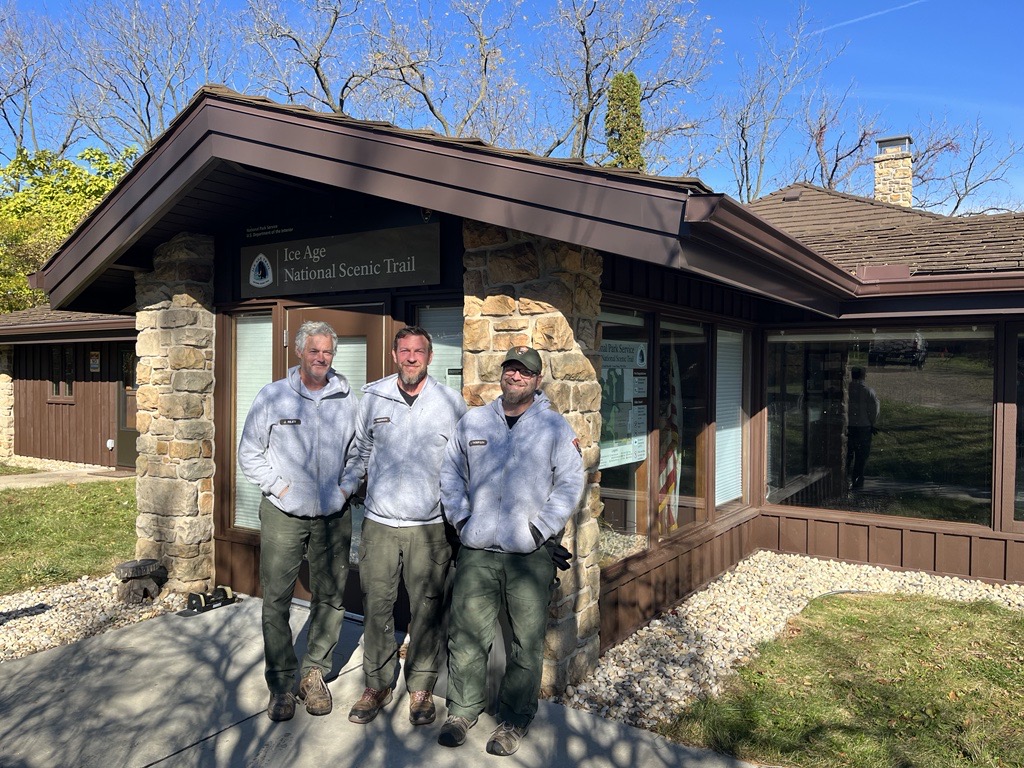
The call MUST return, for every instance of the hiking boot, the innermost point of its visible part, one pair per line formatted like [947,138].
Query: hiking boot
[313,690]
[364,710]
[506,739]
[281,707]
[453,732]
[421,707]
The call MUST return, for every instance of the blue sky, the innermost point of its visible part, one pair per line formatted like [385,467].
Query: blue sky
[907,59]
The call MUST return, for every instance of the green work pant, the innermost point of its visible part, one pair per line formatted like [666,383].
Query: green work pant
[484,583]
[420,555]
[284,539]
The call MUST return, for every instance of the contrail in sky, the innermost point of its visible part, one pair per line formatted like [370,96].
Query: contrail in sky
[869,16]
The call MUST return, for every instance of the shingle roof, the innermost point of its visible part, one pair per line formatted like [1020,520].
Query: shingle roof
[852,231]
[44,315]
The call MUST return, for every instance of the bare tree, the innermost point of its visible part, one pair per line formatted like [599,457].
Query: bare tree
[839,141]
[136,64]
[446,66]
[585,42]
[754,121]
[961,169]
[312,52]
[28,71]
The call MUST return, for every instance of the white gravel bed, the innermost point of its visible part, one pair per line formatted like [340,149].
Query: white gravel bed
[46,617]
[688,652]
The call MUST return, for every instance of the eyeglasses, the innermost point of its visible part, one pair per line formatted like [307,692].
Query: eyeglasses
[521,372]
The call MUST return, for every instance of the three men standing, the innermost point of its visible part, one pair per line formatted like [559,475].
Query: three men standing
[405,423]
[298,447]
[512,478]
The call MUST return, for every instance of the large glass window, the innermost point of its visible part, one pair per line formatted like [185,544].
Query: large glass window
[625,488]
[1018,499]
[895,421]
[681,418]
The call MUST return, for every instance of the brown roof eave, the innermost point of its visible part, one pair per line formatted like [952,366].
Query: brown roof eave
[728,220]
[960,282]
[78,330]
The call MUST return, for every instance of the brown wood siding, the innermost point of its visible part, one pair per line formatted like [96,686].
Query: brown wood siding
[920,545]
[66,431]
[634,593]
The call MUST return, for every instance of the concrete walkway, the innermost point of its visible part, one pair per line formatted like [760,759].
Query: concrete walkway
[56,477]
[188,691]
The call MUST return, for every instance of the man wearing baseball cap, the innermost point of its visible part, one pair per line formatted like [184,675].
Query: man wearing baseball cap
[511,478]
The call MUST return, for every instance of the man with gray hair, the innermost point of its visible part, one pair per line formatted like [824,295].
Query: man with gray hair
[298,447]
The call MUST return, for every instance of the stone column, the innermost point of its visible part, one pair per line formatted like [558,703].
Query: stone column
[6,401]
[175,320]
[522,289]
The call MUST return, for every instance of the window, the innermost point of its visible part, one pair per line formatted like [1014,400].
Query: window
[62,373]
[681,420]
[729,418]
[894,421]
[625,488]
[252,370]
[444,324]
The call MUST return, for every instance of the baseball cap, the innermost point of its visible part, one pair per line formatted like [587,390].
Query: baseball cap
[528,356]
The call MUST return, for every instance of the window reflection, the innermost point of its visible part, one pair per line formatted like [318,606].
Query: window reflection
[624,417]
[928,454]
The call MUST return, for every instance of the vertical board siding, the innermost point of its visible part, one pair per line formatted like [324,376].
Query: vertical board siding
[920,545]
[67,431]
[642,592]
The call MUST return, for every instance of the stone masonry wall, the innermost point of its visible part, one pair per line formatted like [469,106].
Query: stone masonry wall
[6,401]
[894,178]
[175,466]
[521,289]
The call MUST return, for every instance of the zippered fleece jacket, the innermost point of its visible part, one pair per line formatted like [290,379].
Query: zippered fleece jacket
[402,447]
[303,441]
[496,481]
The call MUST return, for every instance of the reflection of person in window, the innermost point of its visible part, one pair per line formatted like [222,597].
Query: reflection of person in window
[863,413]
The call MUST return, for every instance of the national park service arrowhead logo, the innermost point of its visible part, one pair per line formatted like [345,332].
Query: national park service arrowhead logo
[260,273]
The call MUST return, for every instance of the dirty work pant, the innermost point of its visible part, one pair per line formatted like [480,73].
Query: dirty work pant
[283,540]
[420,556]
[486,582]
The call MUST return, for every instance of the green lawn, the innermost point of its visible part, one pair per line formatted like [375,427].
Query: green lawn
[56,534]
[875,681]
[7,469]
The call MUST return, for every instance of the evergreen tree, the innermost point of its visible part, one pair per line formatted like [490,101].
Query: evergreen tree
[623,123]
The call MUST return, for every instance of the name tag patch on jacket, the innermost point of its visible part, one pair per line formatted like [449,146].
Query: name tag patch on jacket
[290,422]
[478,442]
[382,420]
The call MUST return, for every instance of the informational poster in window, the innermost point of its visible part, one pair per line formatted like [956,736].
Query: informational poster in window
[623,402]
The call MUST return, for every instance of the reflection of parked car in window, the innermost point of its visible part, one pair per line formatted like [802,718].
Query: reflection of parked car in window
[912,351]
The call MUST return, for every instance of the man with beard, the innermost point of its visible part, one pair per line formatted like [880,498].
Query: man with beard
[512,477]
[306,481]
[405,422]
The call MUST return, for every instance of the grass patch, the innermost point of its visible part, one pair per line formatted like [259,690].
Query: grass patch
[875,681]
[918,444]
[56,534]
[7,469]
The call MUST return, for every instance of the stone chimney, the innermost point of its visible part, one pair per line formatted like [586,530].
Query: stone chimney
[894,171]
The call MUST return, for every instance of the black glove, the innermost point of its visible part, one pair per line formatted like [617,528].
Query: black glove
[560,556]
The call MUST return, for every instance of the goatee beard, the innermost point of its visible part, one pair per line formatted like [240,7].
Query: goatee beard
[411,381]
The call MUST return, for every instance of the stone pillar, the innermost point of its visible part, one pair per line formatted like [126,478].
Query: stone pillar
[175,320]
[6,401]
[894,172]
[522,289]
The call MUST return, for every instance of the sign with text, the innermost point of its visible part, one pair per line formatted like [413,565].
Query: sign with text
[359,261]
